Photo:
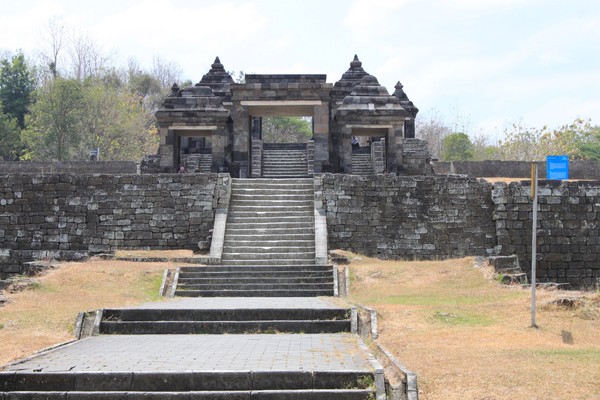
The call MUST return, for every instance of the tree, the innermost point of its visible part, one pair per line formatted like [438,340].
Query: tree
[433,131]
[10,138]
[457,147]
[113,120]
[86,57]
[286,129]
[54,41]
[54,124]
[16,87]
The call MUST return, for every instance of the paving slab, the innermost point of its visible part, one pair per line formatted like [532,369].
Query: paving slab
[221,303]
[183,353]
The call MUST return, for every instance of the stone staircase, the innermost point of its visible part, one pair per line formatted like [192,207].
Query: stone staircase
[362,164]
[284,160]
[214,343]
[270,222]
[193,161]
[255,281]
[198,385]
[224,321]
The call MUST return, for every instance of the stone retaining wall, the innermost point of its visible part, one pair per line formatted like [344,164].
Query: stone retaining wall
[407,217]
[424,217]
[68,167]
[578,169]
[41,216]
[568,229]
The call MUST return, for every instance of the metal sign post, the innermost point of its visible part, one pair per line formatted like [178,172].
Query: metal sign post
[534,204]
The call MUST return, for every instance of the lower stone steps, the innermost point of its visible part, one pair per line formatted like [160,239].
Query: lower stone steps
[303,394]
[254,293]
[230,385]
[223,327]
[185,321]
[250,280]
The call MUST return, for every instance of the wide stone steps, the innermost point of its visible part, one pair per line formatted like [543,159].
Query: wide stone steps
[257,280]
[267,244]
[267,238]
[266,218]
[271,262]
[284,163]
[271,197]
[301,394]
[252,269]
[222,385]
[224,321]
[190,280]
[362,164]
[252,256]
[270,221]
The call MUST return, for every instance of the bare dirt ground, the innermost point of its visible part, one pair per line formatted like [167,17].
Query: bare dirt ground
[466,336]
[469,337]
[44,314]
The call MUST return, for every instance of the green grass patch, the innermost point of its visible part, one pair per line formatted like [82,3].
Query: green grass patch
[150,283]
[442,299]
[580,355]
[462,319]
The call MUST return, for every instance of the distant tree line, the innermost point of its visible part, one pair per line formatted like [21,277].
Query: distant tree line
[580,140]
[69,99]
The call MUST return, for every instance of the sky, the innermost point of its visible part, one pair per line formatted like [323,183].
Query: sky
[477,65]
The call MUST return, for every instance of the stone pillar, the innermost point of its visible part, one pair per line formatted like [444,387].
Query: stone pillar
[384,154]
[219,140]
[165,150]
[346,146]
[256,158]
[394,148]
[409,128]
[241,136]
[321,136]
[310,157]
[377,157]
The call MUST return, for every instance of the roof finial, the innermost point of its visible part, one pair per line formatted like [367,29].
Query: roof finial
[356,62]
[217,64]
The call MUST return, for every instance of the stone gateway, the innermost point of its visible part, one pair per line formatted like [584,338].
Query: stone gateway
[219,123]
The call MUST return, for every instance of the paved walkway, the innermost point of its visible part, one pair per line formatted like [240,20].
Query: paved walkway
[220,303]
[184,353]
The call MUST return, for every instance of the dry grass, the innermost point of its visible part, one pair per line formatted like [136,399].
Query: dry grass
[526,178]
[44,315]
[468,337]
[157,254]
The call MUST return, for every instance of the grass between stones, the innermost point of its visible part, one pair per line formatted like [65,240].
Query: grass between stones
[469,337]
[44,314]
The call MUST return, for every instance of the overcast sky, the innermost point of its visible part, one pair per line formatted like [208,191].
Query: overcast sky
[477,64]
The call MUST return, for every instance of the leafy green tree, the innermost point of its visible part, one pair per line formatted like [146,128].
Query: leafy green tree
[286,129]
[457,147]
[10,138]
[16,87]
[54,125]
[115,121]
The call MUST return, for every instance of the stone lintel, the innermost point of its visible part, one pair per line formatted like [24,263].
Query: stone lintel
[279,103]
[193,128]
[353,126]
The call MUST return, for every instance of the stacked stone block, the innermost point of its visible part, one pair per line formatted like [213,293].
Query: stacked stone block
[568,229]
[73,215]
[407,217]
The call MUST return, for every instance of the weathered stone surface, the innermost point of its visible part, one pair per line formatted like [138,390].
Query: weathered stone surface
[568,229]
[69,216]
[410,218]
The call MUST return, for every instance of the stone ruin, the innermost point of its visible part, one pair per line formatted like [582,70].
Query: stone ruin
[218,123]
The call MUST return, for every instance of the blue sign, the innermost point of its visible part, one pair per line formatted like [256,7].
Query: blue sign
[557,167]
